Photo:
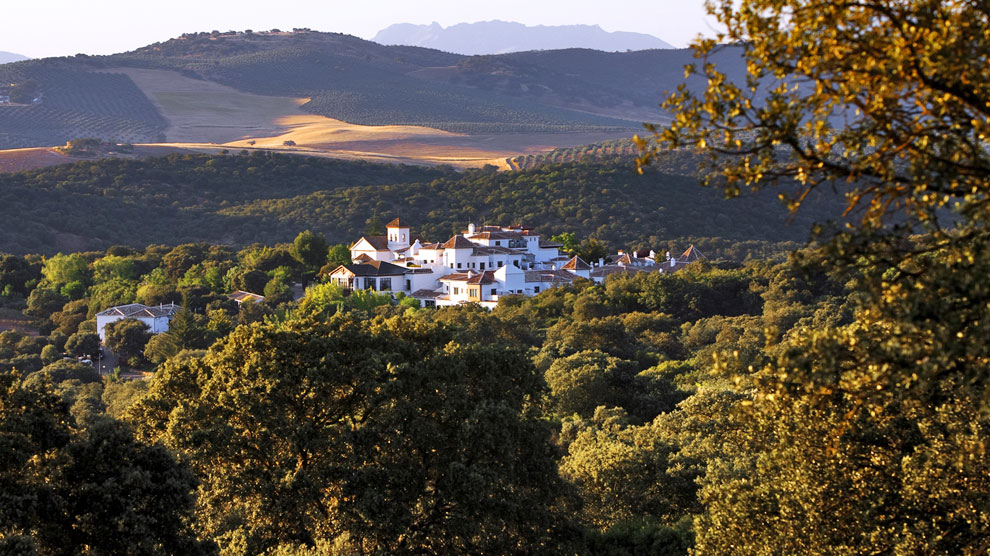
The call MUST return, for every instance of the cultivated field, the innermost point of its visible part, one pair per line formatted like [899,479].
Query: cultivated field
[206,112]
[204,116]
[15,160]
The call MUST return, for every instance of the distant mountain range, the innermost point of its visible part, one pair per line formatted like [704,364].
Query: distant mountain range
[7,57]
[500,37]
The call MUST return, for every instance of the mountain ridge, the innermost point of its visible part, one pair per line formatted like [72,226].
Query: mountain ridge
[502,37]
[8,57]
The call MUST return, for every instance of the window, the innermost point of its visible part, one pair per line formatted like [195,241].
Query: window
[536,289]
[403,237]
[458,265]
[474,292]
[409,285]
[493,292]
[369,283]
[457,291]
[498,243]
[516,263]
[482,266]
[386,284]
[500,264]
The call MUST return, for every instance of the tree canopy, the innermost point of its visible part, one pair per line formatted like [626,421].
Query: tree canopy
[857,437]
[385,435]
[889,98]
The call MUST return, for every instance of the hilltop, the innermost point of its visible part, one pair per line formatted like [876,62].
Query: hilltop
[500,37]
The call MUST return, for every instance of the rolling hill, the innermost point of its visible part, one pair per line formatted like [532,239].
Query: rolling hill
[348,79]
[238,199]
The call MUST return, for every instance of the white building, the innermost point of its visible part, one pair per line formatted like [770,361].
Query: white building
[477,266]
[157,318]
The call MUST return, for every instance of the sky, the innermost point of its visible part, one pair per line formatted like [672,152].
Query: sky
[67,27]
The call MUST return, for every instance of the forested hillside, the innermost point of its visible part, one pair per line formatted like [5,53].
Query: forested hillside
[355,421]
[238,199]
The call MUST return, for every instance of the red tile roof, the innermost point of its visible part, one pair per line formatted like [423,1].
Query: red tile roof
[372,268]
[486,277]
[458,242]
[380,243]
[241,296]
[576,264]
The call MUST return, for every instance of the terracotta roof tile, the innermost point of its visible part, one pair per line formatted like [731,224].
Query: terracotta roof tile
[458,242]
[554,277]
[486,277]
[576,264]
[380,243]
[241,296]
[373,268]
[426,294]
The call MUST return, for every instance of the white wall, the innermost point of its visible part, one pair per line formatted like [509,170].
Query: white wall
[157,325]
[510,278]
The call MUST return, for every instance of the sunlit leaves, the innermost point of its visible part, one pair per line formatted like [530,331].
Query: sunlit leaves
[879,95]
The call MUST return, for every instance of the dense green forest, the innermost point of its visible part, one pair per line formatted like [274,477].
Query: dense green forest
[383,427]
[238,199]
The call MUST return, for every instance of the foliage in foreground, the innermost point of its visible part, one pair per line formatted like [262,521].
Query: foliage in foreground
[869,437]
[386,437]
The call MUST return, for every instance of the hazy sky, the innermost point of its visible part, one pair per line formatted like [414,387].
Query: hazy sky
[66,27]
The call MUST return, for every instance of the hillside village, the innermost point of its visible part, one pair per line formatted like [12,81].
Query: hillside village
[480,265]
